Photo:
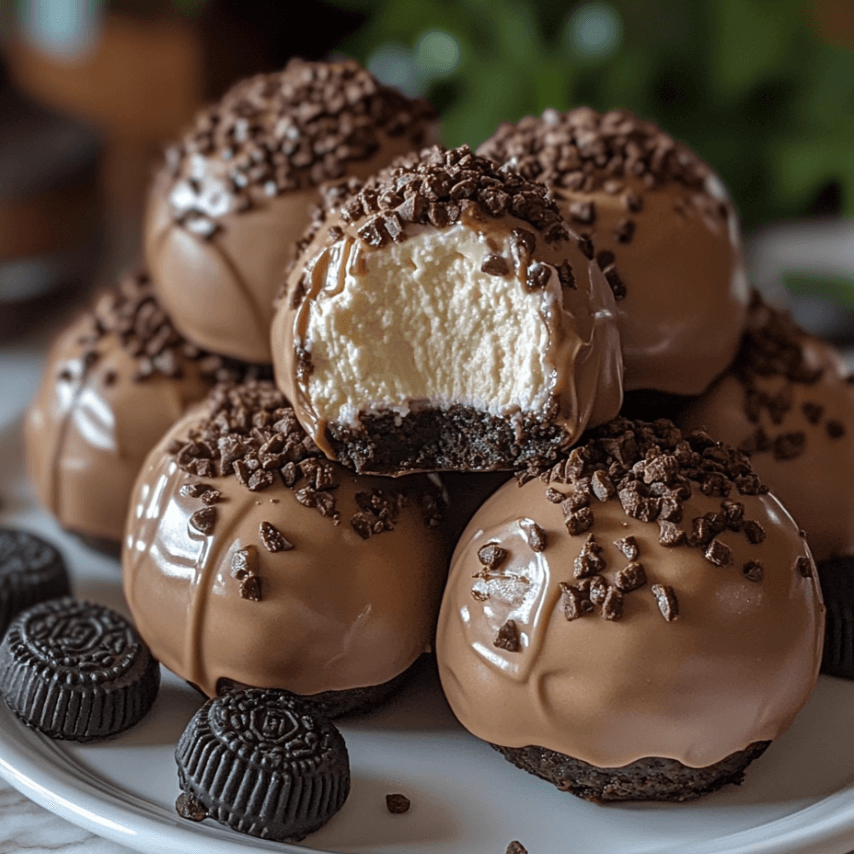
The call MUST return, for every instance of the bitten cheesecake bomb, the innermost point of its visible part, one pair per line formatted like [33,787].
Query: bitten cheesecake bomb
[235,194]
[665,232]
[115,380]
[788,403]
[441,316]
[252,560]
[638,623]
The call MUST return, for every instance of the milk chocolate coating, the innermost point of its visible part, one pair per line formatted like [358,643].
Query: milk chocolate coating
[800,438]
[702,661]
[411,430]
[335,612]
[222,226]
[99,409]
[666,226]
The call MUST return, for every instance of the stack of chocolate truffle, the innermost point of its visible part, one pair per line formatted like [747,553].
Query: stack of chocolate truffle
[436,323]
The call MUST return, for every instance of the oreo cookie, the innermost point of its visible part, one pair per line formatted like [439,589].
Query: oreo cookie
[76,671]
[31,570]
[264,762]
[836,576]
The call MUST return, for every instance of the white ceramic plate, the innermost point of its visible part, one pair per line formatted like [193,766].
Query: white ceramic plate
[798,798]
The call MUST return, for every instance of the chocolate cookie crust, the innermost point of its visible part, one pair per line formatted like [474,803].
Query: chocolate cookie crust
[460,438]
[291,129]
[648,779]
[338,704]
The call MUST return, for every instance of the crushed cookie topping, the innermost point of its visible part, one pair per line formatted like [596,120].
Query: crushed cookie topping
[273,539]
[666,600]
[131,313]
[277,132]
[252,434]
[585,151]
[441,187]
[534,534]
[772,347]
[651,469]
[244,568]
[508,637]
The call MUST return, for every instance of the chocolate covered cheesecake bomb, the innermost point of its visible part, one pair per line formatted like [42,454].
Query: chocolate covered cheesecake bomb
[250,559]
[442,316]
[787,402]
[665,233]
[638,623]
[235,193]
[115,380]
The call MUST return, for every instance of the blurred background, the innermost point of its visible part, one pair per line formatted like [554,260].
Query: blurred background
[762,89]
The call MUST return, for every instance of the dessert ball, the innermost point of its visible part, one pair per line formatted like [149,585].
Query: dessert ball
[443,317]
[665,233]
[235,194]
[638,626]
[115,380]
[788,403]
[251,559]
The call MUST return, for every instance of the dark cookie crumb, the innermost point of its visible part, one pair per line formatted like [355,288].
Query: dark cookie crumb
[534,534]
[516,847]
[492,555]
[754,532]
[804,565]
[612,604]
[397,804]
[670,534]
[667,602]
[508,637]
[835,429]
[188,807]
[204,520]
[628,546]
[718,553]
[571,601]
[631,577]
[495,265]
[754,570]
[273,539]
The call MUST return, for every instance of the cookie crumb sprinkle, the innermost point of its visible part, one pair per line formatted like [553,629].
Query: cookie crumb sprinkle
[397,804]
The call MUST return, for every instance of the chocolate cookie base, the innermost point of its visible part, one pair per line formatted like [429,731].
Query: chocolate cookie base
[460,438]
[836,576]
[336,704]
[649,779]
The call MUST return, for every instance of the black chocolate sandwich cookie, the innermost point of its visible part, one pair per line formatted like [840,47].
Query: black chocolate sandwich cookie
[264,762]
[836,576]
[31,570]
[77,671]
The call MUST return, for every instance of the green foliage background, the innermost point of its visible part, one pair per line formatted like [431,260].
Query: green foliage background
[747,83]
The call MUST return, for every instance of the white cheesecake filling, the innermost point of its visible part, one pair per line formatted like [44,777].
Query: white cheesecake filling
[419,322]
